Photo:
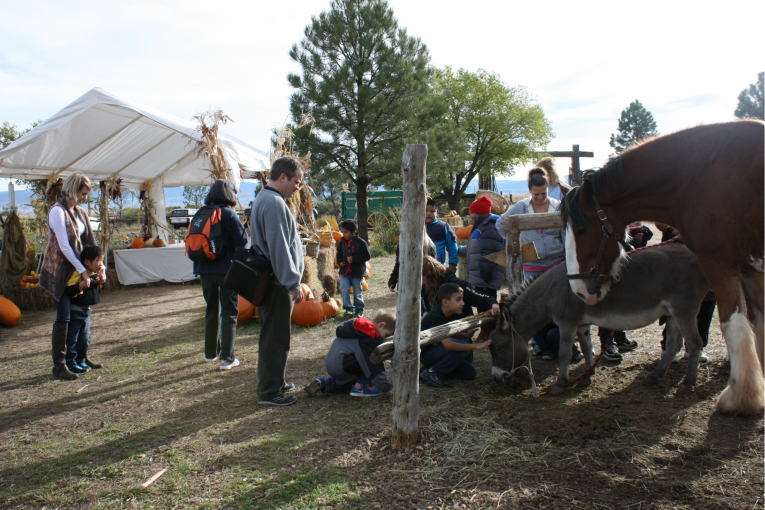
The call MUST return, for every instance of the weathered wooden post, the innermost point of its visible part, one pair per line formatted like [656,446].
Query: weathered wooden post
[406,362]
[513,226]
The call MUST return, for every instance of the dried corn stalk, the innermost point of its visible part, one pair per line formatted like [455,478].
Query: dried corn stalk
[208,147]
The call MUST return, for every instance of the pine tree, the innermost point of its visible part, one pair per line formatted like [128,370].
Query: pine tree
[364,80]
[635,124]
[750,104]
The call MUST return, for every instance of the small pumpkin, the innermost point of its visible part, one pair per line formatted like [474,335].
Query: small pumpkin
[330,306]
[339,303]
[464,232]
[337,235]
[158,242]
[364,286]
[10,315]
[308,313]
[246,311]
[369,269]
[255,314]
[137,243]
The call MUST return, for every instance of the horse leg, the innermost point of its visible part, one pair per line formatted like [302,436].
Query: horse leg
[567,335]
[672,347]
[745,393]
[753,293]
[585,342]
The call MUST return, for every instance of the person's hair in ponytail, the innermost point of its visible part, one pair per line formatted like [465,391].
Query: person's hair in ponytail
[537,177]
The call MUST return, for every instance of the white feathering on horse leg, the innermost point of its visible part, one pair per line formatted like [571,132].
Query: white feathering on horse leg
[745,393]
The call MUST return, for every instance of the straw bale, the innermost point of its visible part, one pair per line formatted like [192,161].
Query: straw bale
[36,298]
[311,277]
[327,272]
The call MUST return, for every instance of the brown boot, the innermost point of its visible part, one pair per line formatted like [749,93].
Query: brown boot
[92,364]
[58,350]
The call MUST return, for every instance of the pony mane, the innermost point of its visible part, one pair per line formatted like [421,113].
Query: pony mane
[608,179]
[515,294]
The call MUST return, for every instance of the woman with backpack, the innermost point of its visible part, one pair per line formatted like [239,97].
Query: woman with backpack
[226,233]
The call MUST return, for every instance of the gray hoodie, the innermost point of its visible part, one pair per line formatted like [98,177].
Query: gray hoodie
[274,232]
[550,243]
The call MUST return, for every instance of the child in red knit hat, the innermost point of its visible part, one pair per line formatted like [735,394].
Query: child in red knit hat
[484,276]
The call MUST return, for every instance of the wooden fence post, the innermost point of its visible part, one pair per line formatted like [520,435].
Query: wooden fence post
[406,362]
[513,226]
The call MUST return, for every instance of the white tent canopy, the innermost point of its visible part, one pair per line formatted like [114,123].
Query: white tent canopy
[105,137]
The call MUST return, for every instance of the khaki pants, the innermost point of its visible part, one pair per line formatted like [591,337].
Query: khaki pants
[274,342]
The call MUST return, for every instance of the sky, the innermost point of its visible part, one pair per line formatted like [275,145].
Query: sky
[585,62]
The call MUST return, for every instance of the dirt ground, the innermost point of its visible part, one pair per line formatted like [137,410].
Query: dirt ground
[157,406]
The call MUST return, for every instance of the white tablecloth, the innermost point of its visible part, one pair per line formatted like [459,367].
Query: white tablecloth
[153,264]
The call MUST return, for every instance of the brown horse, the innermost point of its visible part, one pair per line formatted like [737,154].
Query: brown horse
[706,181]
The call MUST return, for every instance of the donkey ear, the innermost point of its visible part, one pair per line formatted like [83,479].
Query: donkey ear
[586,190]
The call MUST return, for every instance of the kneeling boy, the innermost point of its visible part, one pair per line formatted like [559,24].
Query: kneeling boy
[448,357]
[348,363]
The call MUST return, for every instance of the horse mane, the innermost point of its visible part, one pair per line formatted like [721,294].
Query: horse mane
[605,180]
[515,294]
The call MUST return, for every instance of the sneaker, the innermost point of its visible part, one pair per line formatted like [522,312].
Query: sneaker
[281,400]
[288,386]
[703,358]
[624,344]
[612,354]
[315,387]
[365,391]
[228,365]
[359,314]
[432,379]
[211,359]
[83,365]
[547,356]
[576,356]
[76,369]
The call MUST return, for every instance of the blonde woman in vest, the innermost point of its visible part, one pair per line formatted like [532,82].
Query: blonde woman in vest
[68,231]
[556,189]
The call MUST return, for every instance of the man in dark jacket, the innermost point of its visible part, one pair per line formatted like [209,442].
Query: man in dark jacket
[352,257]
[348,363]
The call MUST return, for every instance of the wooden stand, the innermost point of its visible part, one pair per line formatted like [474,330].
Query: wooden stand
[513,226]
[406,364]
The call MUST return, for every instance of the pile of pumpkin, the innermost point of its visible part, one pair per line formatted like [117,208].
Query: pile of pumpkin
[30,281]
[10,315]
[462,232]
[137,242]
[307,313]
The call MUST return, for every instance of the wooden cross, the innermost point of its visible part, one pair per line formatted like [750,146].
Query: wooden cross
[575,154]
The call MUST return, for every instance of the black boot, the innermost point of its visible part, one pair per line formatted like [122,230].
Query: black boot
[58,350]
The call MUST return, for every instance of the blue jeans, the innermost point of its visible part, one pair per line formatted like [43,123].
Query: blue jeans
[78,336]
[346,282]
[331,386]
[63,309]
[449,363]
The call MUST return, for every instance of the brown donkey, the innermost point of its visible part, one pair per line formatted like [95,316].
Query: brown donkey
[706,181]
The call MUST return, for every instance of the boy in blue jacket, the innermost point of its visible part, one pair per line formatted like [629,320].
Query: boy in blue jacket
[442,235]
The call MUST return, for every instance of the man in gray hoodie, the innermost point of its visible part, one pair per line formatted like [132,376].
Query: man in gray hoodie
[275,234]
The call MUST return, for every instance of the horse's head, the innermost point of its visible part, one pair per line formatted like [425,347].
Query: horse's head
[508,350]
[593,253]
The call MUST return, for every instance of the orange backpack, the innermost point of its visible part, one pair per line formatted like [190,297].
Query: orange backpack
[204,240]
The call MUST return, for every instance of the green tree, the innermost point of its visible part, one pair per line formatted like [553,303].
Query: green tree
[364,80]
[750,104]
[493,127]
[635,124]
[194,196]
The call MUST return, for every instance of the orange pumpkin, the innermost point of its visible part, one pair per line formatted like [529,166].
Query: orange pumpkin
[137,243]
[339,303]
[10,315]
[246,310]
[364,286]
[308,313]
[307,293]
[330,306]
[337,235]
[255,314]
[369,269]
[464,232]
[158,242]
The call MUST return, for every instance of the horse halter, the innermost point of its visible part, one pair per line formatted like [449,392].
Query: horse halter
[607,232]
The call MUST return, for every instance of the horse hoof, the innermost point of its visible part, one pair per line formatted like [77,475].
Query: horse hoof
[650,380]
[555,390]
[584,382]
